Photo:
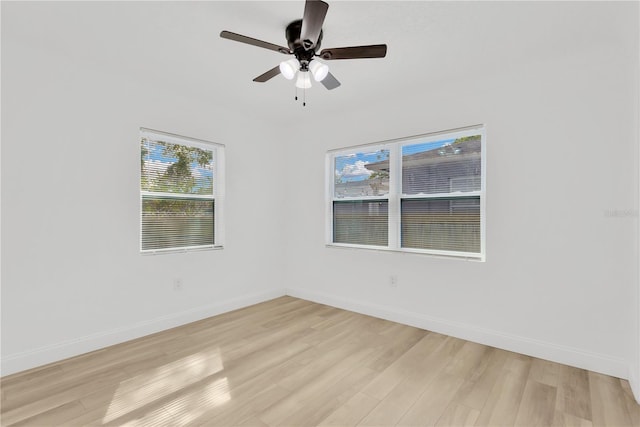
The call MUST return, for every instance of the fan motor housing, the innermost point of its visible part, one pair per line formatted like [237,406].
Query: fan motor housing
[292,34]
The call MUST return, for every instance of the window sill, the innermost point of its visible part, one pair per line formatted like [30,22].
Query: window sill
[436,254]
[181,250]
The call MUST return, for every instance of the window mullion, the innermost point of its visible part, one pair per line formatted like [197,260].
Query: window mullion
[363,198]
[177,195]
[457,195]
[395,189]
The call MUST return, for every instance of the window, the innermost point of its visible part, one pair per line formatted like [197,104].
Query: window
[361,202]
[422,194]
[181,192]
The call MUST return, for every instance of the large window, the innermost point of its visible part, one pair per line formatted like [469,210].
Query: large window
[181,192]
[422,194]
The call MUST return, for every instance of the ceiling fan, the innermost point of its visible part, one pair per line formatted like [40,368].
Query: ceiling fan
[304,37]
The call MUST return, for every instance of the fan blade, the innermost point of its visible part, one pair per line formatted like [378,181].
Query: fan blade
[330,82]
[254,42]
[268,75]
[355,52]
[312,20]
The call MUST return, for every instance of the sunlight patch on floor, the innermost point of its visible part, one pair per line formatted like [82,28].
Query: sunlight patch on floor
[155,384]
[187,408]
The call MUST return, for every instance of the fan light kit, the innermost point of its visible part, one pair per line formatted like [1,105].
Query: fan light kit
[303,38]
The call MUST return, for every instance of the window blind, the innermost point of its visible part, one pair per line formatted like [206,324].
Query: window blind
[361,222]
[439,224]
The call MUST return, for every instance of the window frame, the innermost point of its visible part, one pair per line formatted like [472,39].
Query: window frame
[218,159]
[395,196]
[331,194]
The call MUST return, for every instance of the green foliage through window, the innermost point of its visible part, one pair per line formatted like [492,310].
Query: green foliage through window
[175,168]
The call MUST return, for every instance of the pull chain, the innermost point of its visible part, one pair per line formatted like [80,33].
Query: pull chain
[304,95]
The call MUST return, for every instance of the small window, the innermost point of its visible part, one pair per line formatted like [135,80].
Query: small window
[181,188]
[423,194]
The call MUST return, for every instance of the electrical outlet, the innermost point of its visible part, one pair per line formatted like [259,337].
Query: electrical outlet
[393,281]
[177,285]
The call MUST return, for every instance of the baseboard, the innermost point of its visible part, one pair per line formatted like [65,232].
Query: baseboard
[549,351]
[634,382]
[44,355]
[557,353]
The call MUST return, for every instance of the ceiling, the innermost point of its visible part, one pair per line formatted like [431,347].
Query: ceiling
[176,45]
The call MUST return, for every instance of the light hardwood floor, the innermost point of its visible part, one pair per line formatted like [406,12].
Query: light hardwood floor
[290,362]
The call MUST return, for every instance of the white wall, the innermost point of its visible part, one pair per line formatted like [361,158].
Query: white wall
[634,377]
[72,276]
[562,258]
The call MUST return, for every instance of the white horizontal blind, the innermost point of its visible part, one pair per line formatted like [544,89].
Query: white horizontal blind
[177,193]
[438,224]
[443,178]
[360,198]
[362,222]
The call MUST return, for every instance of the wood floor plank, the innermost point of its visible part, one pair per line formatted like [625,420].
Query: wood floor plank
[607,401]
[504,399]
[459,415]
[252,395]
[466,360]
[51,417]
[632,405]
[290,362]
[444,357]
[432,350]
[475,392]
[324,403]
[398,401]
[303,405]
[351,412]
[544,372]
[427,410]
[396,342]
[241,412]
[28,378]
[537,407]
[66,396]
[568,420]
[573,390]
